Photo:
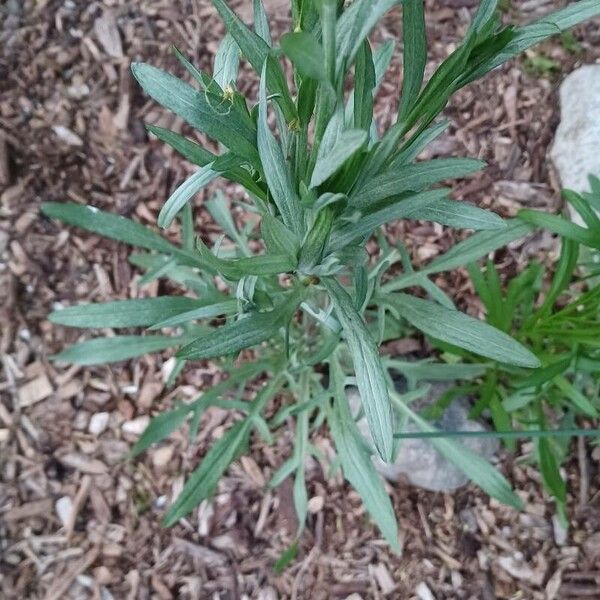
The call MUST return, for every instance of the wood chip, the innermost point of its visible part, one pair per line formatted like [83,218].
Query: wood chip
[37,508]
[63,582]
[384,579]
[201,553]
[35,391]
[83,463]
[107,32]
[4,170]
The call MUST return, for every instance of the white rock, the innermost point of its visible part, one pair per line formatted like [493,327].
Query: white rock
[418,461]
[423,592]
[64,508]
[315,504]
[136,426]
[67,135]
[576,149]
[162,456]
[98,423]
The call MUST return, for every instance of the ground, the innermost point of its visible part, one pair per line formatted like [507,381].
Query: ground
[78,521]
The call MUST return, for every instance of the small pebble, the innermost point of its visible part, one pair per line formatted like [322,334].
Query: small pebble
[423,592]
[162,456]
[64,508]
[315,504]
[98,423]
[136,426]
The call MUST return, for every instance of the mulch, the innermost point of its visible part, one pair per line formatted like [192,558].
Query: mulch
[78,521]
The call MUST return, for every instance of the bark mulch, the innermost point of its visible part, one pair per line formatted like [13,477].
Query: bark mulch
[78,521]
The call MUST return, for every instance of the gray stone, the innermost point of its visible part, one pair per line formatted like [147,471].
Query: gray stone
[576,149]
[418,461]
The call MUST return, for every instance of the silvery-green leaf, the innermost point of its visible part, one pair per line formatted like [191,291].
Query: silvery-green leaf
[463,253]
[414,177]
[461,330]
[402,208]
[276,169]
[201,109]
[305,51]
[185,192]
[370,377]
[123,313]
[261,22]
[330,160]
[227,60]
[415,53]
[356,462]
[203,482]
[460,215]
[101,351]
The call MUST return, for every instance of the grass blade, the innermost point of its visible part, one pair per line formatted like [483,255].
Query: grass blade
[479,470]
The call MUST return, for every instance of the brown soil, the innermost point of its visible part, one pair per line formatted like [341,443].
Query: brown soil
[72,128]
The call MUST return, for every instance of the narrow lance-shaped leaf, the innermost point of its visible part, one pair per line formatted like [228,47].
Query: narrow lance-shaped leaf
[203,482]
[208,311]
[327,13]
[329,161]
[486,11]
[160,427]
[113,349]
[401,208]
[193,152]
[562,226]
[415,177]
[235,269]
[185,192]
[201,109]
[473,248]
[536,32]
[365,82]
[357,466]
[306,53]
[261,21]
[227,165]
[227,60]
[460,215]
[461,330]
[415,53]
[207,82]
[275,167]
[370,377]
[278,238]
[244,333]
[124,313]
[256,50]
[354,26]
[109,225]
[549,468]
